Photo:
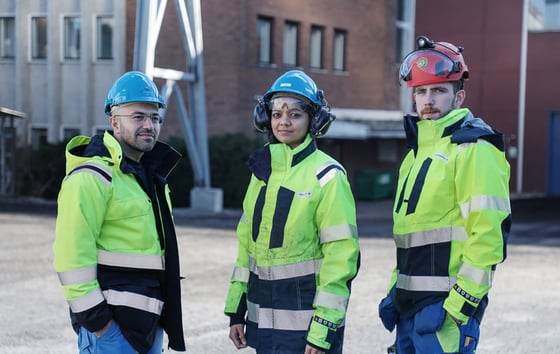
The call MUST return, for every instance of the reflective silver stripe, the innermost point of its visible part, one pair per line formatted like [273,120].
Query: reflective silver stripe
[76,276]
[479,276]
[332,301]
[485,202]
[87,301]
[279,319]
[329,175]
[285,271]
[338,232]
[137,301]
[463,146]
[424,283]
[240,274]
[101,177]
[130,260]
[423,238]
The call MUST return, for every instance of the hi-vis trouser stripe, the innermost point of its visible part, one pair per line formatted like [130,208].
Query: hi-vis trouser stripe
[279,319]
[285,271]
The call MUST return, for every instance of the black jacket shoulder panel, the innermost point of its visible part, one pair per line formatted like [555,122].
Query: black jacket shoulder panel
[471,129]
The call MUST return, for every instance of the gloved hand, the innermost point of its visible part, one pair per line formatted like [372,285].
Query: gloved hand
[430,318]
[388,313]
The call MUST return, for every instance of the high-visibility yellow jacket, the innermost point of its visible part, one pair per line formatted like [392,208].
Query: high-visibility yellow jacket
[115,249]
[451,214]
[298,250]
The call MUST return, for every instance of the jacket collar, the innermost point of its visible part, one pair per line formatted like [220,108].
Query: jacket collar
[160,160]
[260,162]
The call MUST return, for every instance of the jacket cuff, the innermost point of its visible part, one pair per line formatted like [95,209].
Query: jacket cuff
[460,304]
[321,333]
[235,318]
[95,318]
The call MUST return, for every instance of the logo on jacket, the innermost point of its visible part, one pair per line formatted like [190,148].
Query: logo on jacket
[305,194]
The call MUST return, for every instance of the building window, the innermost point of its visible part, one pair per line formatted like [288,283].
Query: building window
[69,133]
[38,37]
[7,37]
[290,54]
[316,55]
[38,137]
[544,15]
[339,48]
[105,26]
[72,37]
[264,37]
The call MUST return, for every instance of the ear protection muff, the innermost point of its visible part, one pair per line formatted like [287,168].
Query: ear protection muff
[261,120]
[321,122]
[322,119]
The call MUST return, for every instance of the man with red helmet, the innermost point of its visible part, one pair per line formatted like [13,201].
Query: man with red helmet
[452,215]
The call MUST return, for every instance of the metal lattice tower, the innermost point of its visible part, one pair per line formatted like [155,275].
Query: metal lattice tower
[149,18]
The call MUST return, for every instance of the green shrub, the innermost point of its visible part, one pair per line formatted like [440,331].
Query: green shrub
[228,170]
[39,173]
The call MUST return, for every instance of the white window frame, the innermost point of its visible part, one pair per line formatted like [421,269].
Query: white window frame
[31,137]
[339,49]
[97,129]
[264,35]
[3,44]
[316,47]
[291,44]
[33,41]
[67,127]
[64,40]
[98,38]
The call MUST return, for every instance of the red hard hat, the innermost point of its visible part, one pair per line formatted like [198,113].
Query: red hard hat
[433,62]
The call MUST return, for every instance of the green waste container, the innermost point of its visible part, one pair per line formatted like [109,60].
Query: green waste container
[374,184]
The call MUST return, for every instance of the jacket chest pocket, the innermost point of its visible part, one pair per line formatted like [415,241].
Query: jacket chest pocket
[135,207]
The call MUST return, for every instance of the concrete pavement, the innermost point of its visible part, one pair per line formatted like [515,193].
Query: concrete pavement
[522,316]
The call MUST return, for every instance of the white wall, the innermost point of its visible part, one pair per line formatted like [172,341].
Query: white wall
[54,92]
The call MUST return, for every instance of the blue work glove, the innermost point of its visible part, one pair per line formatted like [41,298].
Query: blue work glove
[430,318]
[388,313]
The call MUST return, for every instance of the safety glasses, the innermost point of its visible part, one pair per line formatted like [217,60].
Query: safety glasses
[428,61]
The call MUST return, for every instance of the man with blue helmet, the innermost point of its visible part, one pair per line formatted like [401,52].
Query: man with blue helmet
[298,245]
[115,250]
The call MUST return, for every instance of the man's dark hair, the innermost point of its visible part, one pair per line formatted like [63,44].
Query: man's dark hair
[458,85]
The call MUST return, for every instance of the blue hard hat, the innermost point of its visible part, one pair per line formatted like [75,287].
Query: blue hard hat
[299,83]
[133,86]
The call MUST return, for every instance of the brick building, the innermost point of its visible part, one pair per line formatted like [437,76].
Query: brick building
[356,65]
[492,34]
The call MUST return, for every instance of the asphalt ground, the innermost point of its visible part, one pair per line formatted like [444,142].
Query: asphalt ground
[523,315]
